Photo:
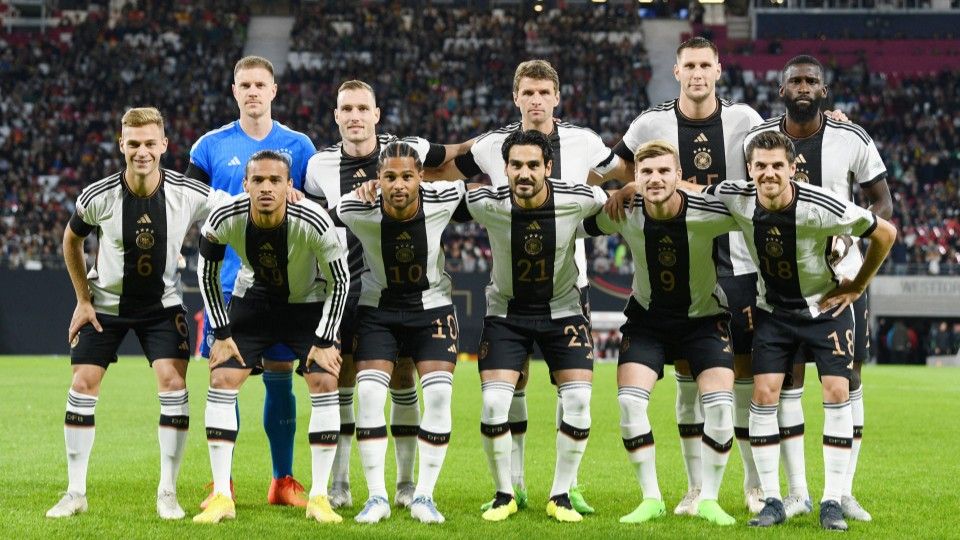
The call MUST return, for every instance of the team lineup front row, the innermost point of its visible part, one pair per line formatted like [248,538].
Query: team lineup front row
[293,287]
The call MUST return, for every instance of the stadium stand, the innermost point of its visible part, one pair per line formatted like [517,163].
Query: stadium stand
[63,91]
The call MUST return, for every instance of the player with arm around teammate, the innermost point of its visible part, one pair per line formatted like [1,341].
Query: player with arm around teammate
[141,216]
[833,155]
[405,305]
[533,298]
[333,173]
[803,302]
[291,260]
[676,311]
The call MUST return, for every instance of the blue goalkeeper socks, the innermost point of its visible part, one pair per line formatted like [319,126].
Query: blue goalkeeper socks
[280,420]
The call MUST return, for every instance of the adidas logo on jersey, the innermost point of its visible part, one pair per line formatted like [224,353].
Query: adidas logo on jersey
[534,226]
[234,162]
[701,138]
[144,219]
[359,174]
[267,247]
[775,231]
[666,240]
[453,349]
[801,159]
[404,236]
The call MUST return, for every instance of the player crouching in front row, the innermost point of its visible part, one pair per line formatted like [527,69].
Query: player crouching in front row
[676,311]
[289,253]
[803,304]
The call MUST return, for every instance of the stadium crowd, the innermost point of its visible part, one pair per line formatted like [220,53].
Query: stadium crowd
[58,105]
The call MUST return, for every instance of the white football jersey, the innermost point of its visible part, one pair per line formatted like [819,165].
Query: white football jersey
[790,247]
[836,157]
[533,268]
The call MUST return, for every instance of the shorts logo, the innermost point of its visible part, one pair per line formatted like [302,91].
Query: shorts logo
[210,339]
[145,239]
[75,342]
[624,345]
[484,350]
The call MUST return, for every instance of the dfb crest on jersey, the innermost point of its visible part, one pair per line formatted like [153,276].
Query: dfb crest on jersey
[403,251]
[702,160]
[533,239]
[268,260]
[666,252]
[145,239]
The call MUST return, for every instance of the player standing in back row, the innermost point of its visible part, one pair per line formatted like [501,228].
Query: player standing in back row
[833,155]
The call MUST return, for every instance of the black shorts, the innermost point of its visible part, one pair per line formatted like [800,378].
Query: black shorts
[741,292]
[861,330]
[347,340]
[164,335]
[584,306]
[827,340]
[257,325]
[566,343]
[383,334]
[653,339]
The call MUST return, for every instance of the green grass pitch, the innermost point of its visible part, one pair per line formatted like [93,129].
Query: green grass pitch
[907,477]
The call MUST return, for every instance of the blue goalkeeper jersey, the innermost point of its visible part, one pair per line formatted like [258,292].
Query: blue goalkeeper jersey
[220,156]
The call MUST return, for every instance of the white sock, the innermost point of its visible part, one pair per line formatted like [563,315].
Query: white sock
[172,434]
[495,428]
[78,433]
[517,417]
[742,392]
[717,440]
[690,424]
[220,419]
[341,461]
[638,438]
[404,426]
[572,435]
[372,428]
[856,409]
[324,435]
[434,429]
[837,440]
[765,440]
[790,420]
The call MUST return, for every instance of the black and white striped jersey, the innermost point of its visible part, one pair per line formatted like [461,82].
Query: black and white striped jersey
[576,151]
[710,150]
[300,261]
[404,260]
[534,273]
[670,275]
[135,273]
[837,156]
[332,174]
[791,246]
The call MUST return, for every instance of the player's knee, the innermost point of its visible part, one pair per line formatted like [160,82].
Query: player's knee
[86,381]
[576,401]
[225,379]
[765,393]
[403,376]
[495,408]
[718,415]
[836,392]
[632,409]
